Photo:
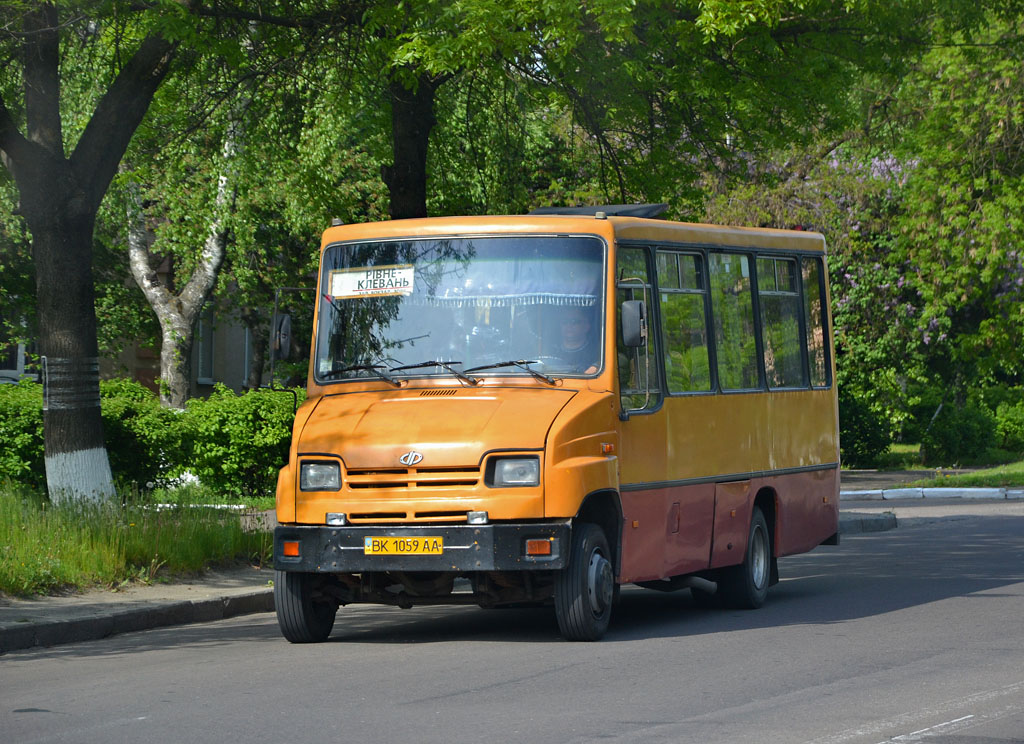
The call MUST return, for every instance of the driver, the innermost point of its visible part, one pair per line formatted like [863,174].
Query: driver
[577,344]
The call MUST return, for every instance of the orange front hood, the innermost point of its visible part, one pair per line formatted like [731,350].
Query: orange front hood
[450,427]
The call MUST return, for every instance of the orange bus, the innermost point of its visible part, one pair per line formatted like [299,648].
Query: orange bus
[542,408]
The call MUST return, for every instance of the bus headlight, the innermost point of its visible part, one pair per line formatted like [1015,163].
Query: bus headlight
[320,476]
[516,471]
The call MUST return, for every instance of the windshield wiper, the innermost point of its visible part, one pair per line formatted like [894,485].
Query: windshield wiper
[521,363]
[378,368]
[447,366]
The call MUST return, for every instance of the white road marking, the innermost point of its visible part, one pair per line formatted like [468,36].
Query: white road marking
[907,720]
[927,731]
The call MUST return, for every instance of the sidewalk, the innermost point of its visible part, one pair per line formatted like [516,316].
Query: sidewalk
[220,594]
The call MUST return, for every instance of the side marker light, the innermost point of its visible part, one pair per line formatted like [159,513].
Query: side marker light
[290,548]
[538,547]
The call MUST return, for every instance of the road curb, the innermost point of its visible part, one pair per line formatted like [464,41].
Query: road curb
[854,523]
[887,494]
[152,615]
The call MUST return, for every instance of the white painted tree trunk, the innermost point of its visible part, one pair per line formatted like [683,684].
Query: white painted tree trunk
[80,476]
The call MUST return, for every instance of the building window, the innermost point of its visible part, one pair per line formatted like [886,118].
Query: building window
[204,347]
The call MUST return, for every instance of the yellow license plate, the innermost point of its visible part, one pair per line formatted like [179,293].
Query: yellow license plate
[403,546]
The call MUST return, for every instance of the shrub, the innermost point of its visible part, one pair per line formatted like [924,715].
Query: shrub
[236,444]
[21,432]
[958,436]
[863,433]
[1010,426]
[143,438]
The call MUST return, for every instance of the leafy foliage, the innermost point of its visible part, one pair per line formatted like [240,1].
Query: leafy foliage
[234,444]
[958,435]
[1010,426]
[21,431]
[237,443]
[142,437]
[863,433]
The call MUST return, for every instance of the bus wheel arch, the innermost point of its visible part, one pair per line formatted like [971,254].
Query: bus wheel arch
[604,509]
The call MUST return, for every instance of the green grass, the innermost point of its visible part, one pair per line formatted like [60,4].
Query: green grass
[1001,476]
[900,457]
[44,549]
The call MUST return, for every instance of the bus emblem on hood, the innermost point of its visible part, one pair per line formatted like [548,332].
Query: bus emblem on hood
[410,458]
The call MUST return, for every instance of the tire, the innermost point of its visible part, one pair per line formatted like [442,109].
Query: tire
[301,617]
[744,587]
[585,589]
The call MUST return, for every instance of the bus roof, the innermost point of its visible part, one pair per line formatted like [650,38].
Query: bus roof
[620,228]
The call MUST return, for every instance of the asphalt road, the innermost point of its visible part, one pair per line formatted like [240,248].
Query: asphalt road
[911,635]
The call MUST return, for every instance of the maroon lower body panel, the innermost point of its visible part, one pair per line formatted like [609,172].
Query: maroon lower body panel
[673,530]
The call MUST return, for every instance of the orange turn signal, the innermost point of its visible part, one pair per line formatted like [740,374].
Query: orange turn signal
[538,547]
[607,449]
[290,548]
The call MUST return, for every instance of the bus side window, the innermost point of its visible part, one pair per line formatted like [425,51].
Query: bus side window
[683,325]
[779,299]
[817,333]
[732,309]
[636,365]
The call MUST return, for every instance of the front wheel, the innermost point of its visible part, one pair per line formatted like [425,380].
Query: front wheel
[303,616]
[745,587]
[585,589]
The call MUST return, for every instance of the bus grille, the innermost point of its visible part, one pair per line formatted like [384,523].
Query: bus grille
[392,478]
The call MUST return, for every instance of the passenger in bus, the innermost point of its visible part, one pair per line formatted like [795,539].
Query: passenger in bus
[577,344]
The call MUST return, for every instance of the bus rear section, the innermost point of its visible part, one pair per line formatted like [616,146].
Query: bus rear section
[479,429]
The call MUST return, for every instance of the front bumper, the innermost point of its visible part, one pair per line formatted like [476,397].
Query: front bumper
[490,547]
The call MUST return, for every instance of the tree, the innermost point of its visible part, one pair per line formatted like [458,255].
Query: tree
[133,48]
[960,220]
[59,198]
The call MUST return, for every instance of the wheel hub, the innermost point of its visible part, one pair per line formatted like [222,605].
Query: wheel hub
[600,583]
[759,559]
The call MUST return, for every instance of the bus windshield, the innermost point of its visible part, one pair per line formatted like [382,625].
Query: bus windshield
[438,305]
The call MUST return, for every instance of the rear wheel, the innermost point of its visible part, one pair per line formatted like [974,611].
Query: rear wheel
[585,589]
[302,616]
[744,587]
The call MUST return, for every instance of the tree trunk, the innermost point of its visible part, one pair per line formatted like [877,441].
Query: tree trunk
[77,467]
[412,119]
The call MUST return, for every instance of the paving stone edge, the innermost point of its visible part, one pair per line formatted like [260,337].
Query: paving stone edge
[888,494]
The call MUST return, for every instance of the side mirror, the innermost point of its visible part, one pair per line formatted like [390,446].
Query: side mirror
[634,323]
[281,345]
